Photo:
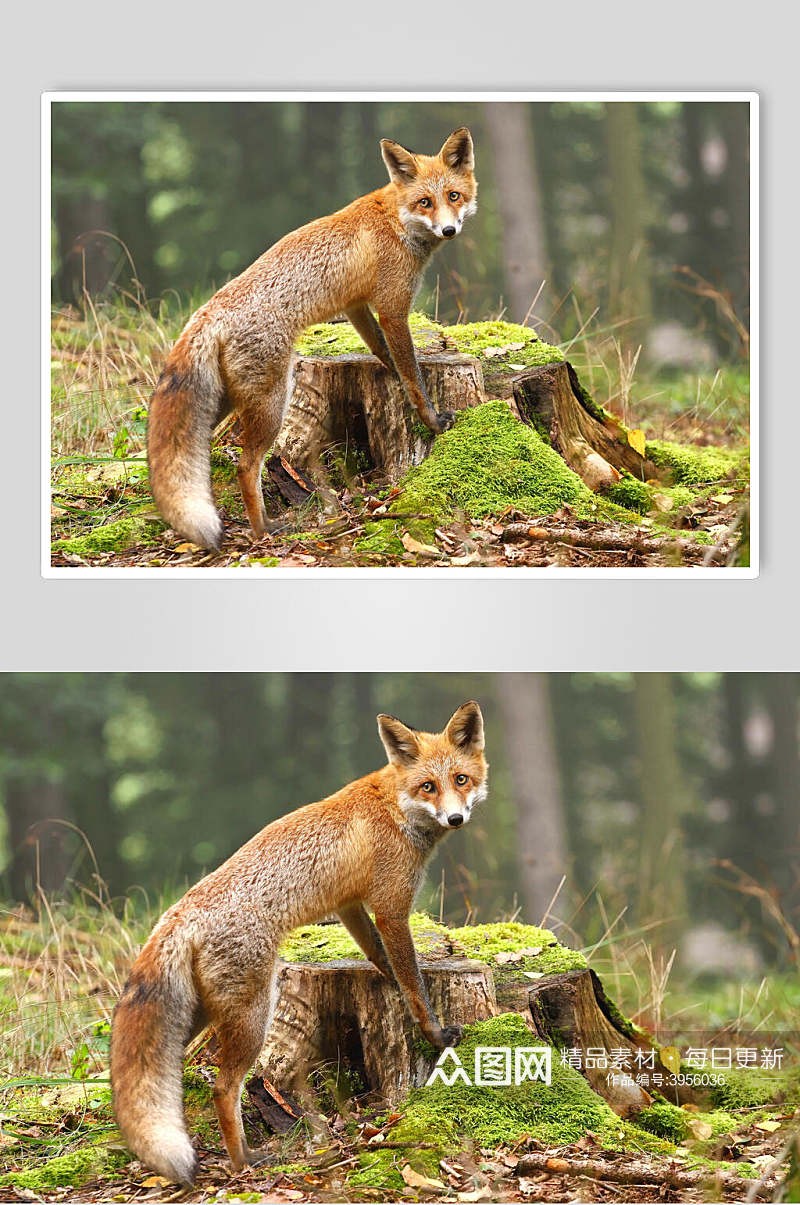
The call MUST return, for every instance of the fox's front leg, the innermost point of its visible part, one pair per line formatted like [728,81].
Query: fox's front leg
[399,945]
[359,925]
[363,319]
[401,345]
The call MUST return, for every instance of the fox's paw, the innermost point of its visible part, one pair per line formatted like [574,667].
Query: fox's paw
[452,1035]
[445,418]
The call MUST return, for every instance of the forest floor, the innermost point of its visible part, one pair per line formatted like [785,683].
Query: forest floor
[104,366]
[62,971]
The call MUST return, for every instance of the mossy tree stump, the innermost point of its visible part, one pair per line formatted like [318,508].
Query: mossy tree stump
[338,1011]
[345,1014]
[593,443]
[354,402]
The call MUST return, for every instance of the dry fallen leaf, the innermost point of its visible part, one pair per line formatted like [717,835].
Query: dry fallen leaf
[478,1194]
[108,472]
[156,1182]
[699,1128]
[723,499]
[518,955]
[491,352]
[412,545]
[663,502]
[415,1180]
[769,1127]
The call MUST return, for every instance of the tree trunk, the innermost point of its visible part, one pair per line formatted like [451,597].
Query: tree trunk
[39,845]
[525,705]
[519,202]
[345,1013]
[662,894]
[354,402]
[781,696]
[629,277]
[596,448]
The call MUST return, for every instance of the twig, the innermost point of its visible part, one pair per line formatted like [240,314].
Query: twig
[619,542]
[634,1172]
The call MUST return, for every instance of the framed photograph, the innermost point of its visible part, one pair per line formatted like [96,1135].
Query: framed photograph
[473,937]
[371,334]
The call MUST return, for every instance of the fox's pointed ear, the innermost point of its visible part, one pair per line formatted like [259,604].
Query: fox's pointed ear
[400,163]
[399,741]
[458,152]
[465,730]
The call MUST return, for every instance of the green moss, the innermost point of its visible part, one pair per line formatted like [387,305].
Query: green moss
[557,1113]
[746,1087]
[693,465]
[327,943]
[747,1171]
[75,1168]
[290,1169]
[341,339]
[223,467]
[198,1100]
[379,540]
[470,338]
[485,941]
[644,496]
[113,537]
[474,338]
[664,1119]
[669,1121]
[631,493]
[487,462]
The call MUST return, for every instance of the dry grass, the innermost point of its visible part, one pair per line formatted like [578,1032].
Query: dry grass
[105,362]
[63,966]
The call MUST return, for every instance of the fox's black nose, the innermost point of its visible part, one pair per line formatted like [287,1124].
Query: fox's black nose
[455,820]
[448,231]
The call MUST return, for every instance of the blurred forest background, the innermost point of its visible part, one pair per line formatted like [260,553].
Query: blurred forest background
[636,215]
[669,801]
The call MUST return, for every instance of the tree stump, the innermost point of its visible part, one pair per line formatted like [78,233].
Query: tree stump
[572,1010]
[594,445]
[354,402]
[344,1013]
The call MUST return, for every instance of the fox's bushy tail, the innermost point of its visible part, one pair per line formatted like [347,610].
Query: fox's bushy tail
[187,403]
[152,1023]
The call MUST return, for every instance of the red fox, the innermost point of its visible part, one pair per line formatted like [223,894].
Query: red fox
[235,352]
[211,959]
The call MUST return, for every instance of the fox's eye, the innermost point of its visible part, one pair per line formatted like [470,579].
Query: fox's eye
[461,780]
[424,202]
[428,787]
[454,196]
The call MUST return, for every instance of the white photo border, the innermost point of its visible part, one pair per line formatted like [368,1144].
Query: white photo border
[448,573]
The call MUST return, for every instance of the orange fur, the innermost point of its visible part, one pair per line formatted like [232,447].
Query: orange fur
[212,956]
[235,352]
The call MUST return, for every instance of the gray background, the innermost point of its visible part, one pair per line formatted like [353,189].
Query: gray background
[359,624]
